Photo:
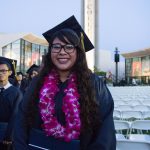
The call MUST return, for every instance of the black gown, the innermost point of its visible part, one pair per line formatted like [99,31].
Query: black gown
[105,138]
[9,101]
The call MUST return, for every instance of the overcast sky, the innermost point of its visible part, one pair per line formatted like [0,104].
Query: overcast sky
[123,23]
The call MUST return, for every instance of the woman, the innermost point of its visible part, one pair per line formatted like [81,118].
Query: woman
[66,101]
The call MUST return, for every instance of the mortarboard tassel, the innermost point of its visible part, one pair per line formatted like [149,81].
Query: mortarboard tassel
[82,41]
[14,67]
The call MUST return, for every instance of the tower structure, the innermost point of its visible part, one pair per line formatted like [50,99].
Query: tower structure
[90,25]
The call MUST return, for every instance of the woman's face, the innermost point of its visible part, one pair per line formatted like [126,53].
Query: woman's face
[34,73]
[63,60]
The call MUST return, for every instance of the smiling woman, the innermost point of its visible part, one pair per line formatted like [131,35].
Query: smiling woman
[65,58]
[67,106]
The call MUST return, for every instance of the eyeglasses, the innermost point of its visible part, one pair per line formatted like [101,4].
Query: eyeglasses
[68,48]
[3,71]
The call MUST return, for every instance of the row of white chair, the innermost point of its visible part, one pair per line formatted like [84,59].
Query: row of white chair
[139,125]
[131,115]
[135,107]
[127,91]
[121,97]
[130,93]
[141,137]
[132,145]
[131,103]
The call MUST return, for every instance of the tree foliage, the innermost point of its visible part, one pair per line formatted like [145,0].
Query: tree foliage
[99,72]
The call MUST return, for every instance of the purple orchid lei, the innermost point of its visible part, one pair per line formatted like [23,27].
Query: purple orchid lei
[71,108]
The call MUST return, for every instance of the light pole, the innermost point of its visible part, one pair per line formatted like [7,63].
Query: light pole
[116,57]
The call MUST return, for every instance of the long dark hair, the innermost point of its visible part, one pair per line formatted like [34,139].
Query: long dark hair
[90,116]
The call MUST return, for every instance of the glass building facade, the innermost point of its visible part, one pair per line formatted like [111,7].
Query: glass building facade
[139,69]
[26,53]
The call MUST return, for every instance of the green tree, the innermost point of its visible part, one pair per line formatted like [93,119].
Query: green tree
[99,72]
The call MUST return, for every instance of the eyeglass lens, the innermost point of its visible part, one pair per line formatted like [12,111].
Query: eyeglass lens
[3,71]
[56,48]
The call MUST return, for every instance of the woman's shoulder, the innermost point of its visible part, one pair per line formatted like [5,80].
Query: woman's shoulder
[97,81]
[102,92]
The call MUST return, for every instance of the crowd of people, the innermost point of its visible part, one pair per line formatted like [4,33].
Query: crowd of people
[60,106]
[22,81]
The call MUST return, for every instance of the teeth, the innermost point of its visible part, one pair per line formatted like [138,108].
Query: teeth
[63,60]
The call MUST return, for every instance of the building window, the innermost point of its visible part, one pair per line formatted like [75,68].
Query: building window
[7,51]
[22,55]
[16,52]
[43,51]
[35,54]
[145,66]
[136,67]
[128,67]
[28,54]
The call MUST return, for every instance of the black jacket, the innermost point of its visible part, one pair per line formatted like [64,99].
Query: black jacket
[9,101]
[105,138]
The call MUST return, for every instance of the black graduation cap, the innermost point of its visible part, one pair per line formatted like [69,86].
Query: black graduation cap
[33,67]
[18,73]
[73,24]
[11,63]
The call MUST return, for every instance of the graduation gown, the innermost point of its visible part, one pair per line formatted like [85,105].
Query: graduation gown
[9,101]
[105,138]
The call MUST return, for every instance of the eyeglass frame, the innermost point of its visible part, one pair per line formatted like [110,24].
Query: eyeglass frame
[63,46]
[3,71]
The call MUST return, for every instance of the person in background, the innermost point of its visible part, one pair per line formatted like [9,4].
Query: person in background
[19,78]
[20,81]
[10,98]
[67,107]
[12,77]
[31,73]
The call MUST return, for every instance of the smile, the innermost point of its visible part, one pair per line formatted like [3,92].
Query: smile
[62,60]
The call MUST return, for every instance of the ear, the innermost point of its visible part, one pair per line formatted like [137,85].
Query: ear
[10,72]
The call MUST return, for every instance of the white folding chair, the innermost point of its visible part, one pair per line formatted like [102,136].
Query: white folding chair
[121,125]
[132,145]
[125,107]
[140,125]
[117,114]
[120,136]
[119,102]
[146,115]
[131,115]
[141,108]
[140,137]
[134,102]
[146,102]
